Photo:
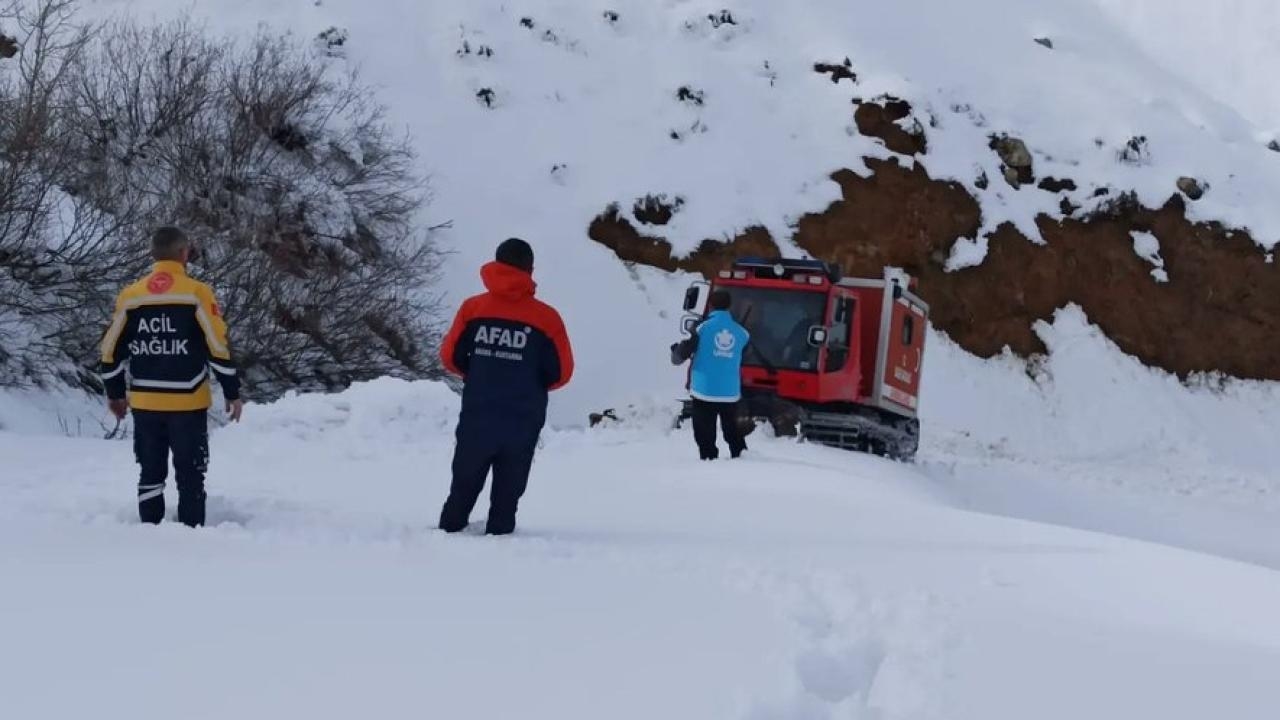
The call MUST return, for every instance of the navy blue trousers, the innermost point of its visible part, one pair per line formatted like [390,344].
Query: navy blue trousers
[186,436]
[506,447]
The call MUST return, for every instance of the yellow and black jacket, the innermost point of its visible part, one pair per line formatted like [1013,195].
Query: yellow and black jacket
[165,337]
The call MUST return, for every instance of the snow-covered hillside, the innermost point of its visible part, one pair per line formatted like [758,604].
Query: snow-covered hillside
[532,117]
[1225,49]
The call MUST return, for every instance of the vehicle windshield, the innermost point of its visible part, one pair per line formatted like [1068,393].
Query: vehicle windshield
[779,322]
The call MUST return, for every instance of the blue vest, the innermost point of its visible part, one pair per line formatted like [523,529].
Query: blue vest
[717,363]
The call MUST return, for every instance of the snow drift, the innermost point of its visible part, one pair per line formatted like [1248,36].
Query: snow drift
[799,582]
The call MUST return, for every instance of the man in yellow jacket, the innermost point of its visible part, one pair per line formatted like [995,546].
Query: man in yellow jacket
[166,339]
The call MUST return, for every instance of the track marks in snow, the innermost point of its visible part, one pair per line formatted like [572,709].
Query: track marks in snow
[859,654]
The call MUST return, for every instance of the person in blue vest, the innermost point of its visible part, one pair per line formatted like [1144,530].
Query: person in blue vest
[715,381]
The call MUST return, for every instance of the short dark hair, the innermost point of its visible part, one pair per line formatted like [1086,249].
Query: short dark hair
[721,300]
[516,253]
[167,243]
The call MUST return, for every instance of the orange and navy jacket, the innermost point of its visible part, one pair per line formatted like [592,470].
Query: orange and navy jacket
[510,348]
[165,337]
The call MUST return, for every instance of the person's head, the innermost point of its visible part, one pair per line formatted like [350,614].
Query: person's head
[516,253]
[721,300]
[170,243]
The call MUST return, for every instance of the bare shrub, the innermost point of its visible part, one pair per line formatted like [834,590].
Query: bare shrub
[305,205]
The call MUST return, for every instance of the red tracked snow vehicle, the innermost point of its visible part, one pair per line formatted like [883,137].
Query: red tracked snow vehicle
[836,360]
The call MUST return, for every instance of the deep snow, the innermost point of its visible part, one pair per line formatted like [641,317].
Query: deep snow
[1092,539]
[801,582]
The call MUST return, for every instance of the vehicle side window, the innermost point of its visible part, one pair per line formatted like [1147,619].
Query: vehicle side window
[838,345]
[908,330]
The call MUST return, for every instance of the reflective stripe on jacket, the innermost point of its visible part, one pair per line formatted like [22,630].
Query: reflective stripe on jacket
[166,339]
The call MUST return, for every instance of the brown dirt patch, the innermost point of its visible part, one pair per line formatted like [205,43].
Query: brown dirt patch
[880,119]
[1219,312]
[618,234]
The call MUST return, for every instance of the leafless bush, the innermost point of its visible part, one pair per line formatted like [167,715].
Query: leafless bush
[304,204]
[56,250]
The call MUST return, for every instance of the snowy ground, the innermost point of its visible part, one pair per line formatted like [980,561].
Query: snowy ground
[799,583]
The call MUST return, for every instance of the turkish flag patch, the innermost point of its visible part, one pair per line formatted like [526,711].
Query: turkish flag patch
[160,283]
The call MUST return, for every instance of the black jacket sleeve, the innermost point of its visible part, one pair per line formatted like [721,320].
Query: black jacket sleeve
[683,350]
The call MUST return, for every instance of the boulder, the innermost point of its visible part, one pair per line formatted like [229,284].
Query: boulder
[1192,188]
[1018,163]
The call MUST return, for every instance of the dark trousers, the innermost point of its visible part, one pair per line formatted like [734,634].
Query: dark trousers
[507,448]
[705,415]
[186,435]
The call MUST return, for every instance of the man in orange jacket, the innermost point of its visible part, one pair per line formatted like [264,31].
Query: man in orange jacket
[511,349]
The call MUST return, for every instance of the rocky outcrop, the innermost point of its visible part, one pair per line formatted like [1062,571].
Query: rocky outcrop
[1018,163]
[1219,311]
[1192,187]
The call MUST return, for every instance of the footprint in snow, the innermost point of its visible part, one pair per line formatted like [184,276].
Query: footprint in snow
[835,676]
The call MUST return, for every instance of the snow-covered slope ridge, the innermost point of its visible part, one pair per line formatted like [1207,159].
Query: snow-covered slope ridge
[532,117]
[1226,49]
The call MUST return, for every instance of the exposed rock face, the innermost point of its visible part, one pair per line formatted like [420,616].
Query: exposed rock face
[881,119]
[1219,311]
[618,234]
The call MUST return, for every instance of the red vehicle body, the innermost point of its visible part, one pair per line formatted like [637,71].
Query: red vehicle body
[836,359]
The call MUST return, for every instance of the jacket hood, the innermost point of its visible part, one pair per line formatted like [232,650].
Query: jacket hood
[507,282]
